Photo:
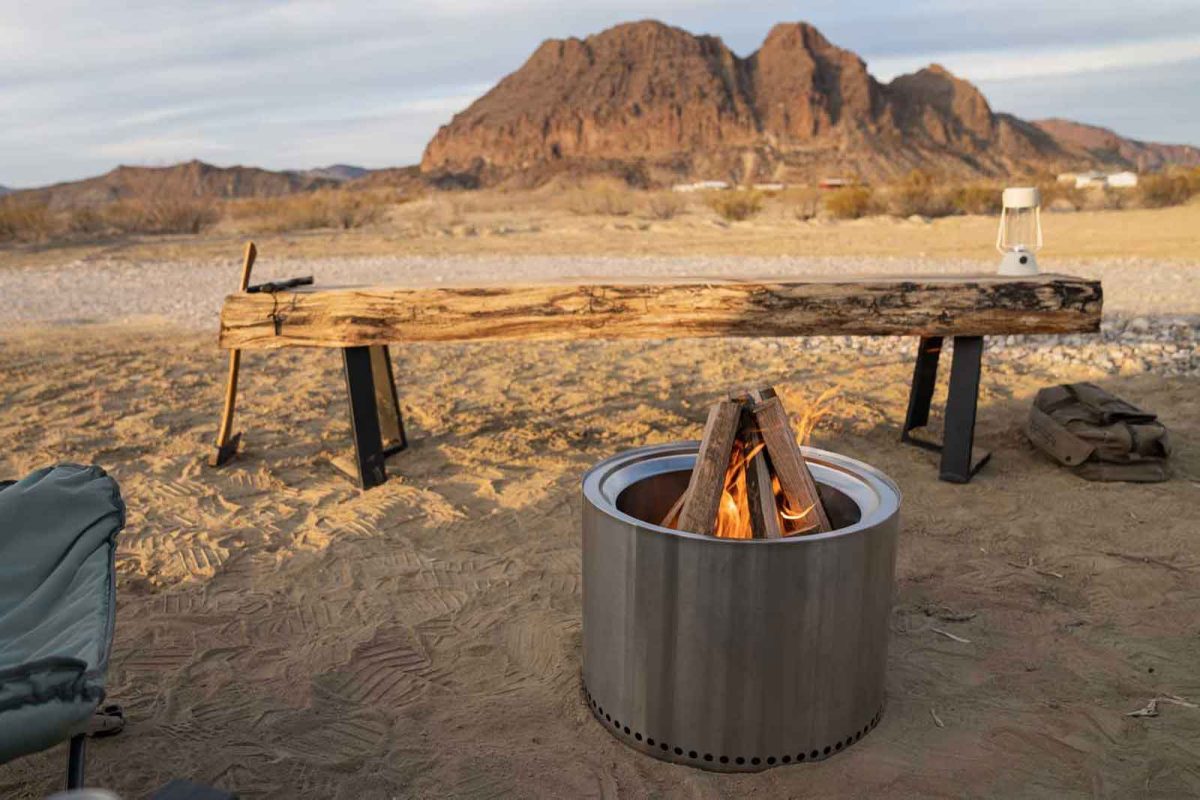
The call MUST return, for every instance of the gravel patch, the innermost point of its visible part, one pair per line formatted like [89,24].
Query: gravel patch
[1152,309]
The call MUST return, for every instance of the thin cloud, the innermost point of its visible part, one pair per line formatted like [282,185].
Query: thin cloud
[1010,63]
[293,84]
[159,149]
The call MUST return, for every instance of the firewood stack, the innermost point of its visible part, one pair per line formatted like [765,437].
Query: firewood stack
[750,478]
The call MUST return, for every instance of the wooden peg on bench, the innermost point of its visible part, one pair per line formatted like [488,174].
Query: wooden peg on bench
[227,441]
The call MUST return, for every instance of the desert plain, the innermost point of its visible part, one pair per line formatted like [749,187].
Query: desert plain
[282,634]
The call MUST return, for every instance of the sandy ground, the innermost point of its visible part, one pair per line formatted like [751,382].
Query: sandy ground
[284,635]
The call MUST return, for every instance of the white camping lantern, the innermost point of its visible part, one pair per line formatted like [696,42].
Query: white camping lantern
[1020,234]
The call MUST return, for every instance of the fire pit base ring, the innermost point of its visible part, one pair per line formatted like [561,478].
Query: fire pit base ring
[735,655]
[721,762]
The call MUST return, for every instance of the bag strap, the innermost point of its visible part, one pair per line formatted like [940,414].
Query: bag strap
[1108,408]
[1052,437]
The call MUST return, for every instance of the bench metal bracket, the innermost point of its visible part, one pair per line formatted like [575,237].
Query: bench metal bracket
[960,459]
[375,419]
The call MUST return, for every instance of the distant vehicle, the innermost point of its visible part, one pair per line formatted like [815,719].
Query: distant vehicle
[836,183]
[700,186]
[1123,180]
[1094,179]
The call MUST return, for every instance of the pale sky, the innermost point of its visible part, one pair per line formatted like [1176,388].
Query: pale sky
[86,86]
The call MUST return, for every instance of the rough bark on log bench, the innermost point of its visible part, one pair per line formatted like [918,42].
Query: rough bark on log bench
[926,306]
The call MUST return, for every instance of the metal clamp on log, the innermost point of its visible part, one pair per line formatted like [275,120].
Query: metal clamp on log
[271,287]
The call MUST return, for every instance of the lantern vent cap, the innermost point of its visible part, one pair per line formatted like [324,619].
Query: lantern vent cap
[1022,197]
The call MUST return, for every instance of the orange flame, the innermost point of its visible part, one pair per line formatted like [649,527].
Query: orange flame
[733,513]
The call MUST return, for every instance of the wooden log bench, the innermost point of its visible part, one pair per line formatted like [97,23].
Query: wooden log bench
[362,322]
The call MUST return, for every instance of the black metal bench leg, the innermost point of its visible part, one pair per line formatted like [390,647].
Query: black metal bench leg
[364,417]
[959,460]
[958,463]
[75,761]
[391,421]
[920,396]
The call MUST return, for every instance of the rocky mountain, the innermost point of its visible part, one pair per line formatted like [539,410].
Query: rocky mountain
[1111,150]
[337,172]
[406,179]
[655,103]
[191,179]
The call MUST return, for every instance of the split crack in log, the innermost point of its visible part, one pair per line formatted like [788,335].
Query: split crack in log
[957,306]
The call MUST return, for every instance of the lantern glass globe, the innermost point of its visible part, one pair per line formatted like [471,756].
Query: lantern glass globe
[1020,234]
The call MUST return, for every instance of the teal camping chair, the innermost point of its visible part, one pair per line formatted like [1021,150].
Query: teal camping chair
[58,530]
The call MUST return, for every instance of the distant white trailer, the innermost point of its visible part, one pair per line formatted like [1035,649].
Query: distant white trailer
[700,186]
[770,187]
[1085,180]
[1122,180]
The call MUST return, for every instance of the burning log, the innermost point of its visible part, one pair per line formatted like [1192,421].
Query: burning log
[672,517]
[803,501]
[704,492]
[765,520]
[750,478]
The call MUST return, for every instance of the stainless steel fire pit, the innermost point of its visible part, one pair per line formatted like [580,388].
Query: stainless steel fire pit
[735,654]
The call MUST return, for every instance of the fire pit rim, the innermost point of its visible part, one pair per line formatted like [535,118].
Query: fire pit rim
[852,477]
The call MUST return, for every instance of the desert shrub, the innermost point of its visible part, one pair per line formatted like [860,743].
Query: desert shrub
[736,205]
[446,211]
[175,214]
[159,214]
[665,205]
[356,209]
[976,199]
[1061,194]
[335,208]
[22,221]
[804,202]
[250,214]
[1192,176]
[1107,199]
[849,202]
[124,216]
[277,214]
[1165,189]
[299,212]
[86,220]
[920,193]
[601,198]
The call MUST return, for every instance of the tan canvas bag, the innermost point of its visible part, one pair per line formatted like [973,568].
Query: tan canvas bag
[1100,436]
